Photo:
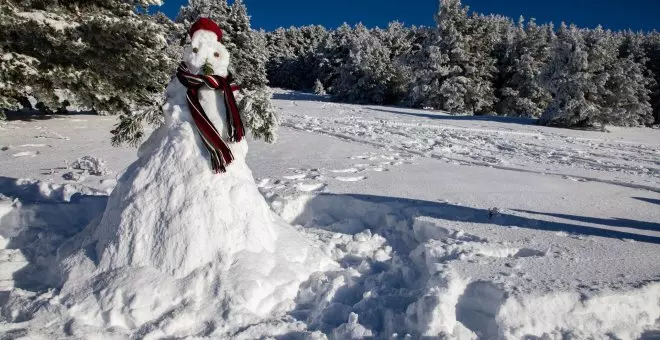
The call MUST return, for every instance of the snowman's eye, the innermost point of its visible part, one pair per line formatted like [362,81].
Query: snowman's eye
[216,54]
[195,49]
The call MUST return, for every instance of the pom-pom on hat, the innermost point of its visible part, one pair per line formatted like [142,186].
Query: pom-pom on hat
[205,24]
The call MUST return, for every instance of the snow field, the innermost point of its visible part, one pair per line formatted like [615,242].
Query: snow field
[569,252]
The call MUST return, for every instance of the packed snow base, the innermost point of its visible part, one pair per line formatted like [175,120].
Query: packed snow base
[425,265]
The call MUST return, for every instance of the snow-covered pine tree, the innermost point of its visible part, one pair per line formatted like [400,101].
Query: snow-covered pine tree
[567,78]
[365,73]
[282,59]
[592,85]
[248,64]
[295,56]
[526,52]
[427,67]
[468,42]
[101,54]
[398,41]
[626,101]
[334,50]
[652,52]
[130,128]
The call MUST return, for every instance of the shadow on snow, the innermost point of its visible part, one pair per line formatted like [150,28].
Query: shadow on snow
[460,213]
[613,222]
[648,200]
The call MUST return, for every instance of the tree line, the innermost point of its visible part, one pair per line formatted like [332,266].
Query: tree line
[114,57]
[479,64]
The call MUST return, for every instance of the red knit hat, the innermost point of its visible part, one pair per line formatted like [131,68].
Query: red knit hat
[207,25]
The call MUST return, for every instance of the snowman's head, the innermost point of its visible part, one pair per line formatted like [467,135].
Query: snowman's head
[206,54]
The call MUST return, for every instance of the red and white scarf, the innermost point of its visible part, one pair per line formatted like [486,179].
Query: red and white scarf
[221,155]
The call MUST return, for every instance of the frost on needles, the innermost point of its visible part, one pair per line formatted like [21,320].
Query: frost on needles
[75,54]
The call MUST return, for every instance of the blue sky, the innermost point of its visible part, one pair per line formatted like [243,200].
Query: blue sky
[613,14]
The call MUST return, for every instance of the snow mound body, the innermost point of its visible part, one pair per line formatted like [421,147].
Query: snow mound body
[178,243]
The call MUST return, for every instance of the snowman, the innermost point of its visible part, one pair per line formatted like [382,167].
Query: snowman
[186,222]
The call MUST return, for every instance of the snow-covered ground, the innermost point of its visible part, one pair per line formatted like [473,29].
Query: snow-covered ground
[466,227]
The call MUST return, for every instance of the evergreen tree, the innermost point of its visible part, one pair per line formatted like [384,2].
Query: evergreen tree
[397,40]
[467,41]
[593,84]
[364,74]
[248,64]
[100,54]
[295,56]
[428,67]
[652,52]
[526,52]
[334,51]
[282,63]
[629,86]
[626,101]
[570,77]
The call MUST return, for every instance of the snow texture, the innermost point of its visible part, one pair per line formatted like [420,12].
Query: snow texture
[461,228]
[90,165]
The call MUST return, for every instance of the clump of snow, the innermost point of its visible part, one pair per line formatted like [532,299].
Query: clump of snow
[5,205]
[51,19]
[351,330]
[92,165]
[620,314]
[73,176]
[434,312]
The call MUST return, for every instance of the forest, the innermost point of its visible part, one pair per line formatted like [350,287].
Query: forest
[115,57]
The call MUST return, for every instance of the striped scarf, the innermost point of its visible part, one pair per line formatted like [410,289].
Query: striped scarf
[221,155]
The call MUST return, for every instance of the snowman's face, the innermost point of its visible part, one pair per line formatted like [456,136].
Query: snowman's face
[206,49]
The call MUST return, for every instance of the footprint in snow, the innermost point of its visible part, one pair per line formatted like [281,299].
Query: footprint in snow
[351,179]
[26,154]
[295,176]
[308,187]
[344,171]
[33,146]
[263,183]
